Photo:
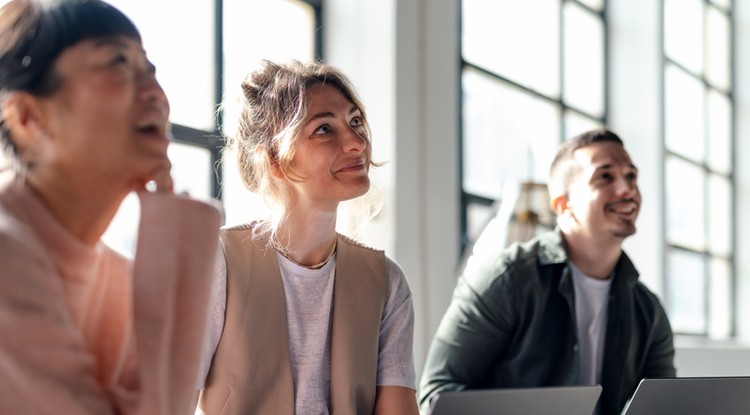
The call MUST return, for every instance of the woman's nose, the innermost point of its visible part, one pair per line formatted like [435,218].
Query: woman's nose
[149,89]
[354,141]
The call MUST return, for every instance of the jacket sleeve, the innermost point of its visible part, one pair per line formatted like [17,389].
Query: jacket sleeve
[659,362]
[472,335]
[44,366]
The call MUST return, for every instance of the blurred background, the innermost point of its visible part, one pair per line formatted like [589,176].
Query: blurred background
[467,100]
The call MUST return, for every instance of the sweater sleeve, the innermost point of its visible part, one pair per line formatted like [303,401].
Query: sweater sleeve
[177,245]
[44,366]
[395,357]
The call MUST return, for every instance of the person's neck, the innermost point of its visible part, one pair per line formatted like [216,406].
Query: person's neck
[308,237]
[84,210]
[595,258]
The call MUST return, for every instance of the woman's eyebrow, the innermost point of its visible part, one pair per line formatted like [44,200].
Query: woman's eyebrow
[110,41]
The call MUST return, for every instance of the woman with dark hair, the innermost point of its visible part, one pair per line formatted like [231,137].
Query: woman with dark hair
[84,121]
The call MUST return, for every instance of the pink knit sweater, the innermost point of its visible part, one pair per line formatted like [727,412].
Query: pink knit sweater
[85,331]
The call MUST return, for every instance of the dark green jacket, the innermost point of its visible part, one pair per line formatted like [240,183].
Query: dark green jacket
[512,323]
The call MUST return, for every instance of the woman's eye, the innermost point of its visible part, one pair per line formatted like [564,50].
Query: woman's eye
[323,129]
[356,122]
[118,59]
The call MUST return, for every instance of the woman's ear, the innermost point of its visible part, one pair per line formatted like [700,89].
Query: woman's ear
[21,114]
[276,168]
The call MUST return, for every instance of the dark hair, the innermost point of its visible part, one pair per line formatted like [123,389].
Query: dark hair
[562,170]
[33,33]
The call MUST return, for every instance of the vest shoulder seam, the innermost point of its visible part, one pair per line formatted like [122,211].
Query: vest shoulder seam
[358,244]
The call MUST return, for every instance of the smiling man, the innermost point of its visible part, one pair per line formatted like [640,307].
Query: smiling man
[565,308]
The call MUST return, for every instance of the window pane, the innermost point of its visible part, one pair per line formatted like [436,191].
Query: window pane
[191,170]
[522,213]
[719,132]
[719,215]
[184,68]
[285,31]
[277,30]
[717,49]
[686,287]
[516,39]
[684,114]
[498,144]
[240,205]
[722,300]
[477,217]
[685,204]
[584,60]
[576,124]
[683,33]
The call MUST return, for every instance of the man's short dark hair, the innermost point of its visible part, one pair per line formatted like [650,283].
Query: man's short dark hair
[562,170]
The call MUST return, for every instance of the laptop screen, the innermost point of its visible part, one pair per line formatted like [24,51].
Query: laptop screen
[691,396]
[566,400]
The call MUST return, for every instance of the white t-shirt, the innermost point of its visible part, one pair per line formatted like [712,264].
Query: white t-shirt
[308,295]
[592,299]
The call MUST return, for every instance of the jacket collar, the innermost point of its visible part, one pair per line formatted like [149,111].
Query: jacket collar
[552,251]
[552,248]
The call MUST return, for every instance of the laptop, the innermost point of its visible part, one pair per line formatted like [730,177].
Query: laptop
[563,400]
[691,396]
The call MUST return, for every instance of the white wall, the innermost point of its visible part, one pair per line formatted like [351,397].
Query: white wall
[700,357]
[635,107]
[406,67]
[403,56]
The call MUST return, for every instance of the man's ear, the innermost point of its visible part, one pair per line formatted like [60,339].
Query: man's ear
[21,114]
[559,204]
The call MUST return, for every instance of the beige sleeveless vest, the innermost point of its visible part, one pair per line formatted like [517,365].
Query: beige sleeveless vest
[251,372]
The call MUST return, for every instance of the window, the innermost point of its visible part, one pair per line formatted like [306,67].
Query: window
[533,74]
[698,167]
[287,28]
[218,43]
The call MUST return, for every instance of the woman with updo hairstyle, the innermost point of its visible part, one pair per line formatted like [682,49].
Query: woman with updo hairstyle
[84,330]
[305,319]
